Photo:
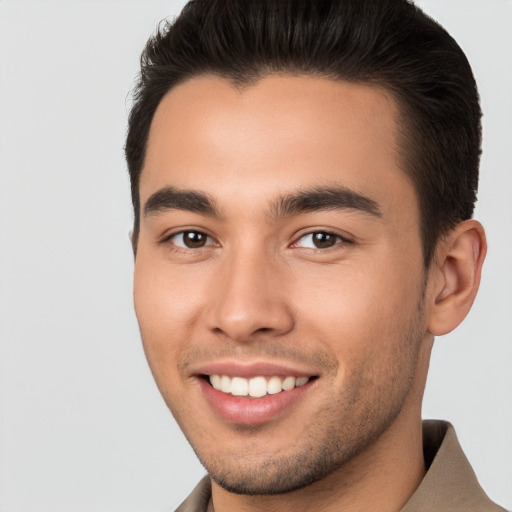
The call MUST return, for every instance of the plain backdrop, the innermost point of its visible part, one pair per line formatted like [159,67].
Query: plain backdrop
[82,426]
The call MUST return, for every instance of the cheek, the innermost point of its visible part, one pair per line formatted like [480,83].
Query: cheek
[165,298]
[370,326]
[159,306]
[359,311]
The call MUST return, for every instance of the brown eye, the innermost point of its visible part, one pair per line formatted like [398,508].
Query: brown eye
[319,240]
[191,240]
[323,240]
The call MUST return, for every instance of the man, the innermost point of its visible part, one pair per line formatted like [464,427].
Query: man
[303,177]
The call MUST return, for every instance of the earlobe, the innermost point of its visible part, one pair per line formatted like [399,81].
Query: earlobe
[455,276]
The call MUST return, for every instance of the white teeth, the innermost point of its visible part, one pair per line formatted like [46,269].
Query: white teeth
[239,386]
[288,383]
[225,384]
[258,387]
[255,387]
[274,386]
[301,381]
[216,381]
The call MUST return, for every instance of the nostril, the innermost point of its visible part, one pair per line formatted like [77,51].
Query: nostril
[244,321]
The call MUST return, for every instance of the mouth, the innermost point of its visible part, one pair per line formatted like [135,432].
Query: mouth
[256,387]
[254,398]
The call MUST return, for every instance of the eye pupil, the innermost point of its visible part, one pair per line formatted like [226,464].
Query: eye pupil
[323,240]
[193,239]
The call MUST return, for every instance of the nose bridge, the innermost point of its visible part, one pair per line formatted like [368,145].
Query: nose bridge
[248,296]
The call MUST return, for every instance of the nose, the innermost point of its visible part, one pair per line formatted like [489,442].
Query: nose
[249,299]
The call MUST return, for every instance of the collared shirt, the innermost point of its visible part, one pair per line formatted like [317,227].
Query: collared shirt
[450,484]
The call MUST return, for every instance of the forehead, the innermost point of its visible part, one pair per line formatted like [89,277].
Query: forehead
[270,137]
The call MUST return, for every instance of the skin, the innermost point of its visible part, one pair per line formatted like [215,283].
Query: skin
[359,315]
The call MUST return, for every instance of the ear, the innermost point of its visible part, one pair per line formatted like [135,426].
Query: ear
[454,276]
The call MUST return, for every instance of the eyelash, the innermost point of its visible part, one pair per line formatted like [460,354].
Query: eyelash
[339,240]
[175,247]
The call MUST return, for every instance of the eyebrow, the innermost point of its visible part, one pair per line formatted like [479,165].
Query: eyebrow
[302,201]
[170,198]
[324,198]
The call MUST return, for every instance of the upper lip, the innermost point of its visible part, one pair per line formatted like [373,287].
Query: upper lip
[253,369]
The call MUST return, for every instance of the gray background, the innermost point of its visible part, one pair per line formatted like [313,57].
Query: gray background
[82,426]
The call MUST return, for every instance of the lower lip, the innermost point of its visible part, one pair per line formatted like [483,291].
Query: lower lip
[251,411]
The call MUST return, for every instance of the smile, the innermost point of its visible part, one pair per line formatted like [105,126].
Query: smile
[255,387]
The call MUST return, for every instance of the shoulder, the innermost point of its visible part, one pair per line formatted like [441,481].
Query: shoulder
[450,483]
[198,499]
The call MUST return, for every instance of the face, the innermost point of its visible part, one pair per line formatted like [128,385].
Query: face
[279,275]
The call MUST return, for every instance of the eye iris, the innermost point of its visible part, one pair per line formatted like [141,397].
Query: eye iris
[193,239]
[323,240]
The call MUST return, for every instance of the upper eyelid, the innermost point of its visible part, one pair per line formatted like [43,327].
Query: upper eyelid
[172,233]
[169,235]
[343,237]
[295,245]
[181,247]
